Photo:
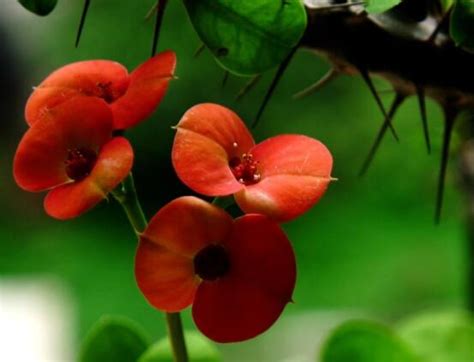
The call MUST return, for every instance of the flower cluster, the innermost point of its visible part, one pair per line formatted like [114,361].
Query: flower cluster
[238,274]
[70,148]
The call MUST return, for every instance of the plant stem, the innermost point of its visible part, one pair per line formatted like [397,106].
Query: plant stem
[175,333]
[126,195]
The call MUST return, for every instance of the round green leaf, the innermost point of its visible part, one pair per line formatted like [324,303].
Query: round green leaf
[462,23]
[364,341]
[199,350]
[440,336]
[113,339]
[248,36]
[379,6]
[39,7]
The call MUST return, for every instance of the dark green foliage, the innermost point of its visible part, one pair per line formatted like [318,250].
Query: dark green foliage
[39,7]
[113,339]
[248,36]
[462,23]
[364,341]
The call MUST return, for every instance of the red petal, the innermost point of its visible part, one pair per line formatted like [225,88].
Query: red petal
[166,279]
[39,160]
[80,78]
[260,284]
[200,224]
[295,172]
[164,264]
[207,137]
[148,85]
[113,164]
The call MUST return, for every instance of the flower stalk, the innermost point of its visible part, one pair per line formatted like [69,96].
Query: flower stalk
[175,333]
[126,195]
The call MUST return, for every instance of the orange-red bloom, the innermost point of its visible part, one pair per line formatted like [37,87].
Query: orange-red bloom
[71,152]
[131,97]
[238,274]
[215,155]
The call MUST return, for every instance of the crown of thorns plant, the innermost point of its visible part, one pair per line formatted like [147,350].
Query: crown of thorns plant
[238,274]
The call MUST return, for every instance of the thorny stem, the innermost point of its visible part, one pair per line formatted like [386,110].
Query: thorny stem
[126,195]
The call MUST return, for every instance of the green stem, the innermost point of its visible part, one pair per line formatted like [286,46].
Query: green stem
[175,333]
[126,195]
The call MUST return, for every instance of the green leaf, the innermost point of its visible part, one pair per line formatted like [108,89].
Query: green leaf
[462,23]
[440,336]
[114,339]
[379,6]
[364,341]
[39,7]
[199,350]
[248,36]
[446,4]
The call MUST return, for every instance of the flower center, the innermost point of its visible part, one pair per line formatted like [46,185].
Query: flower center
[211,262]
[79,162]
[107,93]
[245,169]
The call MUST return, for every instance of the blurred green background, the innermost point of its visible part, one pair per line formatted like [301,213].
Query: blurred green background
[370,244]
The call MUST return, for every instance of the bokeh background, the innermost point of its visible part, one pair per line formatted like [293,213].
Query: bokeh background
[370,247]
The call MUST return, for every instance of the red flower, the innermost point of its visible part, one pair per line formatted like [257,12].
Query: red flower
[72,152]
[215,155]
[131,97]
[238,274]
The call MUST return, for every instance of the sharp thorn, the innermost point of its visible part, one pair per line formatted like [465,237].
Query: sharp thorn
[450,116]
[420,93]
[160,12]
[152,10]
[370,84]
[276,79]
[225,78]
[396,103]
[329,76]
[248,86]
[82,20]
[199,50]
